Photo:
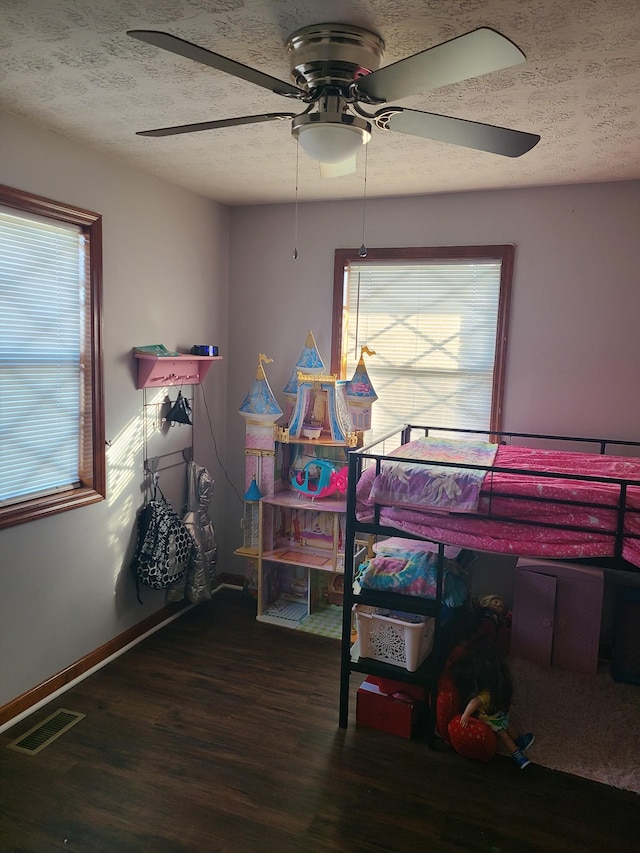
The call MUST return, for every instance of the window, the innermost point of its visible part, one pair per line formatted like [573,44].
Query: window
[436,319]
[52,455]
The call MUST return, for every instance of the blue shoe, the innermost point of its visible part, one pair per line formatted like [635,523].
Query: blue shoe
[523,742]
[520,759]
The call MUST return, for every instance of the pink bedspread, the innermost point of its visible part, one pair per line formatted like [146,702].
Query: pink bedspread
[505,504]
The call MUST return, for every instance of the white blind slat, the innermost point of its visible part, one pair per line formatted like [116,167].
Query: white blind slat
[40,355]
[433,328]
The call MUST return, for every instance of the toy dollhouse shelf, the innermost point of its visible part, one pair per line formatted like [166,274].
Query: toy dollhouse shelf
[157,371]
[246,552]
[299,556]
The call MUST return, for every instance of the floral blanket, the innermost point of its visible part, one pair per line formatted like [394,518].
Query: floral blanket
[413,572]
[452,489]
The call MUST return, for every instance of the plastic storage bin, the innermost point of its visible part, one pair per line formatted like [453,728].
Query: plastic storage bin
[392,640]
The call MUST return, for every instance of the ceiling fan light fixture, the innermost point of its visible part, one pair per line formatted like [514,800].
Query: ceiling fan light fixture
[331,138]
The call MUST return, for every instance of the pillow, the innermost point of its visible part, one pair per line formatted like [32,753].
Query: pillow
[475,740]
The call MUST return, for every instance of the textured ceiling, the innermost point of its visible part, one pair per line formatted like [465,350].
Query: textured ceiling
[69,66]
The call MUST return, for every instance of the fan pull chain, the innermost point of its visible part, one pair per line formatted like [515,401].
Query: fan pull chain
[357,329]
[295,226]
[362,251]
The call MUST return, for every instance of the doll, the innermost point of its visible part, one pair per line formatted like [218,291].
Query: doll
[493,621]
[492,606]
[482,676]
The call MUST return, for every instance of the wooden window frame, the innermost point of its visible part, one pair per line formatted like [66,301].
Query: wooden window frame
[504,252]
[92,463]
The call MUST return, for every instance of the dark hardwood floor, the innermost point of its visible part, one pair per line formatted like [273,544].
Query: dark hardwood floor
[219,733]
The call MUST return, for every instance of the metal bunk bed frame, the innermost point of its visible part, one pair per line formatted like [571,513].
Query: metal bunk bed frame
[428,672]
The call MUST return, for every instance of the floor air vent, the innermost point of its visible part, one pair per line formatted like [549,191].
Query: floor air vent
[46,732]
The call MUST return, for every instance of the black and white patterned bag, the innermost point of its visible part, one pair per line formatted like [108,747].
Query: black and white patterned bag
[164,548]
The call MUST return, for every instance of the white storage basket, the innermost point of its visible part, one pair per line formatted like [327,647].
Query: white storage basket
[393,641]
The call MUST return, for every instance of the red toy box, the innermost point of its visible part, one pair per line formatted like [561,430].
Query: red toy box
[377,710]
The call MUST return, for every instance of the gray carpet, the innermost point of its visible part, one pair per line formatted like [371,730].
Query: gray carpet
[587,725]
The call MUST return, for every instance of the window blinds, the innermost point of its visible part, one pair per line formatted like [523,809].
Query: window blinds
[433,328]
[41,315]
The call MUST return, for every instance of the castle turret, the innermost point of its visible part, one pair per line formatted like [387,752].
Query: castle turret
[361,394]
[309,362]
[260,411]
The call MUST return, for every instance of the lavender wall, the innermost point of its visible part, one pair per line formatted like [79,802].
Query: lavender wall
[66,587]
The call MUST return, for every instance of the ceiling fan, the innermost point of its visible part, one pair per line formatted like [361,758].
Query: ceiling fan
[335,69]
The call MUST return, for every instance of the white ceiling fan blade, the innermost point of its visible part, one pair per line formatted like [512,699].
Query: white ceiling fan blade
[337,170]
[458,131]
[470,55]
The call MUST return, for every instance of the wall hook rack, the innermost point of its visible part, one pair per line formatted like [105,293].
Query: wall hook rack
[168,460]
[158,371]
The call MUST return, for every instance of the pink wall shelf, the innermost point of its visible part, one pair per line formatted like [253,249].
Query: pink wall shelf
[155,372]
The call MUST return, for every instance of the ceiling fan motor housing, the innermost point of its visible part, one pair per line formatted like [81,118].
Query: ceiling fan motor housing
[332,55]
[325,60]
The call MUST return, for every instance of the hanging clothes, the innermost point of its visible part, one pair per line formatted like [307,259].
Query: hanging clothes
[200,580]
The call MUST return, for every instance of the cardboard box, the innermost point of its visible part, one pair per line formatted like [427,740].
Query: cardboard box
[375,710]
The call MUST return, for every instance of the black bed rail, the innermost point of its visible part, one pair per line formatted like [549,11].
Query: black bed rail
[403,433]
